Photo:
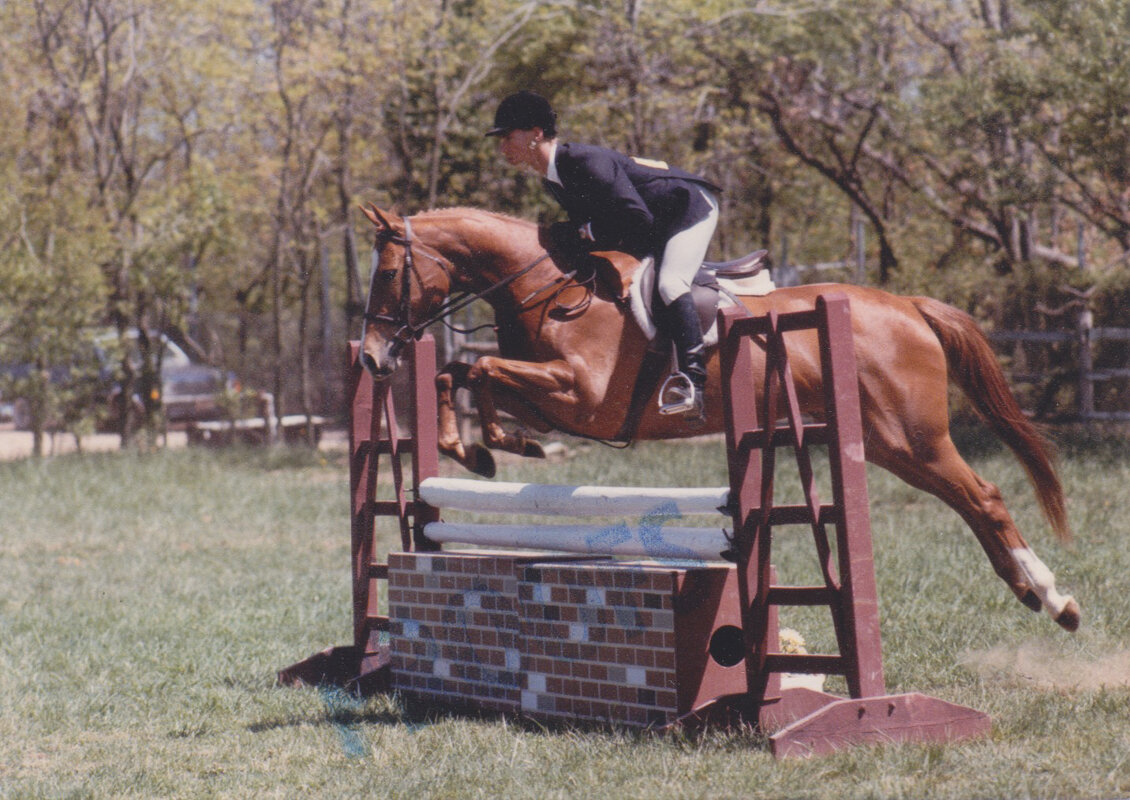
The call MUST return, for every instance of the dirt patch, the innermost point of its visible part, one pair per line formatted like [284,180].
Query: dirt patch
[17,444]
[1043,665]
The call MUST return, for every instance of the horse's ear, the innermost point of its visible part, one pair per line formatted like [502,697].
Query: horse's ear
[376,216]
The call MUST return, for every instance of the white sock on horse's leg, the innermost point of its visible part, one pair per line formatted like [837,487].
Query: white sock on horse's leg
[1041,580]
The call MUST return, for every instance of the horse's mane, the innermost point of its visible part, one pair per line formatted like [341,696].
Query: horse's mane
[486,231]
[471,211]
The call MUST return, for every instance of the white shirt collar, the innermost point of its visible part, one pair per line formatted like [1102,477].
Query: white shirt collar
[551,171]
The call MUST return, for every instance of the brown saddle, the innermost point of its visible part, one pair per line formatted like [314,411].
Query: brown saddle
[744,267]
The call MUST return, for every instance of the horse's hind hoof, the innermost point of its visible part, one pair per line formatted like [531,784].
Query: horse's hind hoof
[1031,600]
[1070,617]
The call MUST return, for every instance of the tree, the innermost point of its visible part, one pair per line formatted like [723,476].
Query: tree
[109,87]
[51,294]
[458,46]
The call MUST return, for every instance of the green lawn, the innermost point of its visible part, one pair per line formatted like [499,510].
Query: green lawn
[146,603]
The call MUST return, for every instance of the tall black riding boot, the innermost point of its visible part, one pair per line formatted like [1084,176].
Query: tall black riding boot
[683,393]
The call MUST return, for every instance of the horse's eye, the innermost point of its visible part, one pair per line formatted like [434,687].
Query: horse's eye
[387,275]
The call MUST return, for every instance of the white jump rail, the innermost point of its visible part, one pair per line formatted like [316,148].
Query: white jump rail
[650,508]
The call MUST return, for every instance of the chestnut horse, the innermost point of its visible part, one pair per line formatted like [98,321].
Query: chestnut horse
[570,355]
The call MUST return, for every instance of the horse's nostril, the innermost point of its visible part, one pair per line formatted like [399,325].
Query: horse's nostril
[369,363]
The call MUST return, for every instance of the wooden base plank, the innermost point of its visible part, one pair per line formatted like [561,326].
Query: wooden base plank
[878,720]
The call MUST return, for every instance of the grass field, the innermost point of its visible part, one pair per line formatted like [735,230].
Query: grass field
[146,603]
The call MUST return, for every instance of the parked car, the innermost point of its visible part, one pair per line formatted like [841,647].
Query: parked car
[190,391]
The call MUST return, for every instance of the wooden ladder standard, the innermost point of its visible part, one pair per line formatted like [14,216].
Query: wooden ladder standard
[804,721]
[374,432]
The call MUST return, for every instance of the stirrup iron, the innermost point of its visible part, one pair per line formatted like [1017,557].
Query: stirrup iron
[678,395]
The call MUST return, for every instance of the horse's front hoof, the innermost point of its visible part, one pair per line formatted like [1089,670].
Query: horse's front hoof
[1070,617]
[480,461]
[533,449]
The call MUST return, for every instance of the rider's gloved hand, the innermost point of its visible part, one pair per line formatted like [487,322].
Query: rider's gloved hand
[566,239]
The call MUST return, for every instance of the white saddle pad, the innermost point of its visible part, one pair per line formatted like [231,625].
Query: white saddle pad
[643,288]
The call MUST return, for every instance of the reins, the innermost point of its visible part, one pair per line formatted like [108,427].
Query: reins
[560,286]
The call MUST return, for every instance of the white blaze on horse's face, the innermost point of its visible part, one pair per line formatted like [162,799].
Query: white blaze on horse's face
[379,345]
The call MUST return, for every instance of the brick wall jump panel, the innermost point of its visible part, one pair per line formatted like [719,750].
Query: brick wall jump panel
[563,637]
[626,642]
[454,626]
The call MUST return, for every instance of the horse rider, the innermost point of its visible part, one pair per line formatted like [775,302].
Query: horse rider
[634,205]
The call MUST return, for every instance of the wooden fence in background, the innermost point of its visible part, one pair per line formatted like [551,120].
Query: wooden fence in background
[1084,342]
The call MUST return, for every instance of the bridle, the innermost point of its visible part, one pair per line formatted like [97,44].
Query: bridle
[406,328]
[406,331]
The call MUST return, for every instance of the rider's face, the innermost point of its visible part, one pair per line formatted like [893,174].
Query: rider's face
[515,146]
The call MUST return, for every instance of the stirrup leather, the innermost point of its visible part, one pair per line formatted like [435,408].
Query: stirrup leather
[679,395]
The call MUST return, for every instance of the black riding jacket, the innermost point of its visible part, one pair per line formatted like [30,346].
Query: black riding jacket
[633,204]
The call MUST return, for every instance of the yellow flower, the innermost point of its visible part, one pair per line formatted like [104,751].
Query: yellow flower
[791,641]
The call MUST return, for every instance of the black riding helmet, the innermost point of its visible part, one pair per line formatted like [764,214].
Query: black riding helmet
[523,111]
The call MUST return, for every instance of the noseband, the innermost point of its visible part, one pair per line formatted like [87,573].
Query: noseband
[406,329]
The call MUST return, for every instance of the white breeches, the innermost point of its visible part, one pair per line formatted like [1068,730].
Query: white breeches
[685,253]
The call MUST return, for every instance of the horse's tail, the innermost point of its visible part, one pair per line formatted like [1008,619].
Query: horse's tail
[973,366]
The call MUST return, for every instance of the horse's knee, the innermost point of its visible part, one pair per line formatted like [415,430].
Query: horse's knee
[454,374]
[476,374]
